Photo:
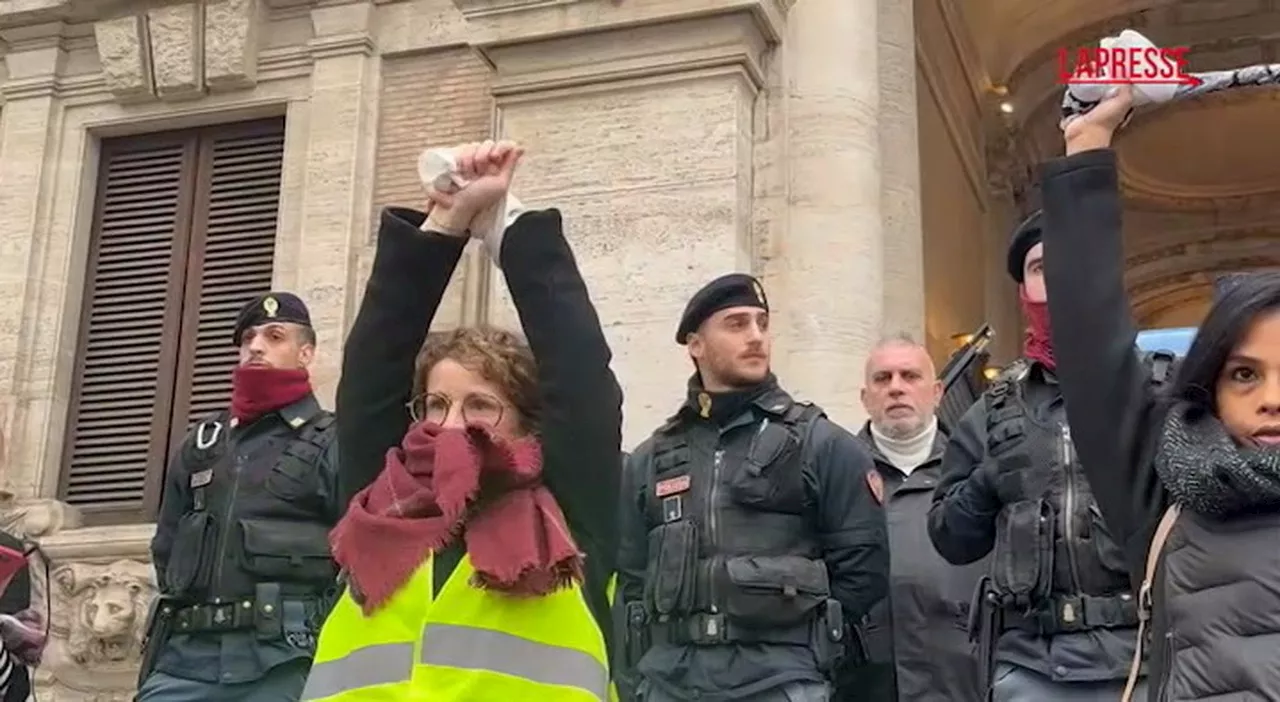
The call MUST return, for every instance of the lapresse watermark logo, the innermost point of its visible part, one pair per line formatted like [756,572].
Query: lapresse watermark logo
[1117,65]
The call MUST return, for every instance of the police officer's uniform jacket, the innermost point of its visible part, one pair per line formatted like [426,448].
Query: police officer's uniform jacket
[1012,483]
[748,536]
[241,548]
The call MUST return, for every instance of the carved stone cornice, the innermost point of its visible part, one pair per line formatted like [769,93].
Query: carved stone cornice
[180,51]
[124,51]
[342,30]
[726,42]
[494,22]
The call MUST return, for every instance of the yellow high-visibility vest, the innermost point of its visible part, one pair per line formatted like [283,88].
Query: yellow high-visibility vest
[468,644]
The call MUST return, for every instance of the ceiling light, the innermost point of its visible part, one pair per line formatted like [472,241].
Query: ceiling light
[1006,107]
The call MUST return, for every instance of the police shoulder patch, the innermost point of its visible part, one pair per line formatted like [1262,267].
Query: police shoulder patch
[875,482]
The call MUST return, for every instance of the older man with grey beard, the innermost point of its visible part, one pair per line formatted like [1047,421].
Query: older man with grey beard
[916,643]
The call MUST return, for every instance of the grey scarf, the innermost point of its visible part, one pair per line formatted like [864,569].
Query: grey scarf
[1205,470]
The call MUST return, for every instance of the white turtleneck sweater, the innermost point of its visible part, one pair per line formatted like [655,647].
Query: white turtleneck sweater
[907,454]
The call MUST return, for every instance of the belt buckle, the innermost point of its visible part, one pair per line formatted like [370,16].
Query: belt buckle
[1070,613]
[222,615]
[711,629]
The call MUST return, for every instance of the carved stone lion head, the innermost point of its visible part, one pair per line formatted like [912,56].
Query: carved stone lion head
[108,610]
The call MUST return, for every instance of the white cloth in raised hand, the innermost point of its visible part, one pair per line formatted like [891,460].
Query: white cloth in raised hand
[1144,93]
[438,168]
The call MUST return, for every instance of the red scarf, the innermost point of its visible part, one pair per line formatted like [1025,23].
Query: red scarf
[257,390]
[1037,345]
[442,483]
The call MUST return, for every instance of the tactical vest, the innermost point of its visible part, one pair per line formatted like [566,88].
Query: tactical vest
[253,550]
[732,554]
[1056,568]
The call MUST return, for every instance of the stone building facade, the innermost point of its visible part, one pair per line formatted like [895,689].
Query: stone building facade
[852,154]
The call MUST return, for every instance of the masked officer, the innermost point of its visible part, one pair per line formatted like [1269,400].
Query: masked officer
[750,533]
[241,548]
[1057,619]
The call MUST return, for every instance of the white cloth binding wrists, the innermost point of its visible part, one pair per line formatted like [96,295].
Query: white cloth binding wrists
[436,168]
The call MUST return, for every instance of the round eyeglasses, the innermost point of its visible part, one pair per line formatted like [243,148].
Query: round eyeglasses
[476,408]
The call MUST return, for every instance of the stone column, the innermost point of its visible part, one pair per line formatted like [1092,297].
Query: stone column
[903,253]
[642,132]
[1002,310]
[338,188]
[28,120]
[832,259]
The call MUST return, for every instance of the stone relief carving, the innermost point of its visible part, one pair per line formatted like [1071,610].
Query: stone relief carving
[97,611]
[180,51]
[104,610]
[125,57]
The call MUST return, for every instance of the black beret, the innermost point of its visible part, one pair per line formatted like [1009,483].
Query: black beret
[732,290]
[1025,237]
[272,307]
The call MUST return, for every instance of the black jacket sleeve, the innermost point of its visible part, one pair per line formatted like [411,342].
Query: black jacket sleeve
[174,502]
[581,428]
[962,518]
[1113,412]
[406,284]
[328,465]
[850,520]
[633,550]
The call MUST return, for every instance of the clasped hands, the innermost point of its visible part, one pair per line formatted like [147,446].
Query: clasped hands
[485,169]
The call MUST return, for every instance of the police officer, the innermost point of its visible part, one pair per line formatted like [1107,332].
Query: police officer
[1058,618]
[241,548]
[750,534]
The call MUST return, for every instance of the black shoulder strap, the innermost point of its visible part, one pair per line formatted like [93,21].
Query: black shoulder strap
[203,449]
[312,440]
[1005,409]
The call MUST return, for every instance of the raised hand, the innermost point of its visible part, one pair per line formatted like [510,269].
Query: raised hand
[1096,128]
[485,169]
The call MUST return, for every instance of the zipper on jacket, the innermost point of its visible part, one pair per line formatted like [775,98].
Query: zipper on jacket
[713,523]
[226,521]
[1069,519]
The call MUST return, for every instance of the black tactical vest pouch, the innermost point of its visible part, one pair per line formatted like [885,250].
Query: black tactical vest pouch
[286,551]
[770,591]
[1022,568]
[191,563]
[670,583]
[771,478]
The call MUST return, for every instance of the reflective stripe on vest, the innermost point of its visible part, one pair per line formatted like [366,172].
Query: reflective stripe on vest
[470,644]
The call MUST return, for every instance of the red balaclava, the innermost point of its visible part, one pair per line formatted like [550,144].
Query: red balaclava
[1037,345]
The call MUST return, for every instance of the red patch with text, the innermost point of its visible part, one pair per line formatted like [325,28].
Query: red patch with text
[673,486]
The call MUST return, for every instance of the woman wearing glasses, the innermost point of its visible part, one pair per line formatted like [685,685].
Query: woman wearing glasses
[480,540]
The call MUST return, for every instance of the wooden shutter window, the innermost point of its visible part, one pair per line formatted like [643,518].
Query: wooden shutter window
[233,254]
[183,234]
[137,258]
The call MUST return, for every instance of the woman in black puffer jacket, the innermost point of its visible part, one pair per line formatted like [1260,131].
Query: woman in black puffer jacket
[1187,479]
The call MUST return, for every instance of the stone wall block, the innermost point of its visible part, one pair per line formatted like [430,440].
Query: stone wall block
[176,49]
[125,54]
[231,44]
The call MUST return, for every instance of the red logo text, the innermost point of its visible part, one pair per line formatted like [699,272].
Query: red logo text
[1102,66]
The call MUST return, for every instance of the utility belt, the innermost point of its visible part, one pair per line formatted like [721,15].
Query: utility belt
[270,614]
[714,629]
[1065,614]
